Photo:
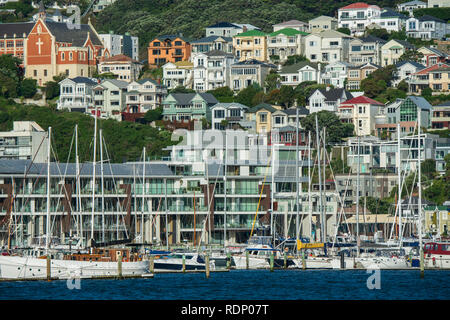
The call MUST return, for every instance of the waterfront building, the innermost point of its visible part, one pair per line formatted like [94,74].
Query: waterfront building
[143,95]
[27,140]
[168,48]
[322,23]
[121,44]
[178,74]
[124,67]
[188,106]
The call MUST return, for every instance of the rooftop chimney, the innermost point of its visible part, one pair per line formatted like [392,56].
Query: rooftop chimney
[244,29]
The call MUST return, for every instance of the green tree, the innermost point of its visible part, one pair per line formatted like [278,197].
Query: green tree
[335,129]
[273,81]
[153,115]
[245,96]
[223,94]
[428,167]
[181,89]
[294,59]
[28,88]
[411,55]
[379,33]
[344,30]
[287,96]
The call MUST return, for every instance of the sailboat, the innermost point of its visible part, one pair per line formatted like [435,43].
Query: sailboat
[93,263]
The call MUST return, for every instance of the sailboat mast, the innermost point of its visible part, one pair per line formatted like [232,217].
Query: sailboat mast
[399,191]
[143,195]
[77,160]
[225,192]
[320,180]
[324,209]
[272,191]
[47,228]
[93,174]
[103,188]
[357,200]
[309,185]
[419,185]
[297,221]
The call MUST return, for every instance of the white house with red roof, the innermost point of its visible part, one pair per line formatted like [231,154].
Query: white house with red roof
[361,111]
[357,16]
[124,67]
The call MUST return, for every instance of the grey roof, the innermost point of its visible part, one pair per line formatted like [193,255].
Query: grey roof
[334,94]
[409,3]
[223,25]
[414,63]
[445,104]
[293,111]
[420,102]
[15,28]
[172,37]
[83,80]
[430,18]
[293,68]
[218,53]
[86,169]
[371,38]
[405,43]
[389,12]
[229,105]
[212,39]
[254,62]
[77,37]
[262,106]
[118,83]
[185,98]
[438,52]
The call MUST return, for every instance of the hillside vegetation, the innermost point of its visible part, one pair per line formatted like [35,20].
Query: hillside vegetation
[124,140]
[148,19]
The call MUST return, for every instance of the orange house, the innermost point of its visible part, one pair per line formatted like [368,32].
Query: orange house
[168,48]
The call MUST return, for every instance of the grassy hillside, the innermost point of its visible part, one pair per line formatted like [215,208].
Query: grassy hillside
[149,18]
[124,140]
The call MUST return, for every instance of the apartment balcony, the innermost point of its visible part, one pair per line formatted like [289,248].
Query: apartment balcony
[234,119]
[419,81]
[177,54]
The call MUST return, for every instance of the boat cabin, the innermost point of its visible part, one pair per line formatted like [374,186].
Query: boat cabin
[101,254]
[437,248]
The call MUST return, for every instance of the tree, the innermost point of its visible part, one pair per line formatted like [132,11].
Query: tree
[181,89]
[411,55]
[273,81]
[379,33]
[287,96]
[245,96]
[335,129]
[427,92]
[428,167]
[294,59]
[28,88]
[223,94]
[344,30]
[153,115]
[11,75]
[376,205]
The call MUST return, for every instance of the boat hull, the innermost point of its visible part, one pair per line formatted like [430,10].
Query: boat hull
[12,267]
[253,263]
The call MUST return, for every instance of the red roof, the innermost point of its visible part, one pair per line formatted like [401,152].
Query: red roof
[362,99]
[357,5]
[433,67]
[119,58]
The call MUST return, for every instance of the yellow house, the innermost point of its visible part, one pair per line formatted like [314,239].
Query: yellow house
[439,79]
[250,45]
[437,219]
[262,116]
[392,50]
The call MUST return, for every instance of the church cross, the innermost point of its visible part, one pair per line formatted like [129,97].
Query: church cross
[39,43]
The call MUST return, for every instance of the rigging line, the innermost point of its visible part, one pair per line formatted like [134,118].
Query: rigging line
[260,195]
[209,203]
[120,207]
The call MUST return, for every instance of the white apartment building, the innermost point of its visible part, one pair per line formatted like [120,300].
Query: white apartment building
[124,67]
[357,16]
[390,20]
[227,115]
[245,73]
[121,44]
[285,42]
[211,70]
[335,74]
[144,95]
[76,94]
[297,73]
[322,23]
[109,98]
[426,27]
[178,74]
[27,141]
[327,46]
[365,50]
[227,29]
[410,6]
[404,70]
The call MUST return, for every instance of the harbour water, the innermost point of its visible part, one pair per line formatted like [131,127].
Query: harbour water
[245,285]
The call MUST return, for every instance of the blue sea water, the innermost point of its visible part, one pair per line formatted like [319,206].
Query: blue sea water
[246,285]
